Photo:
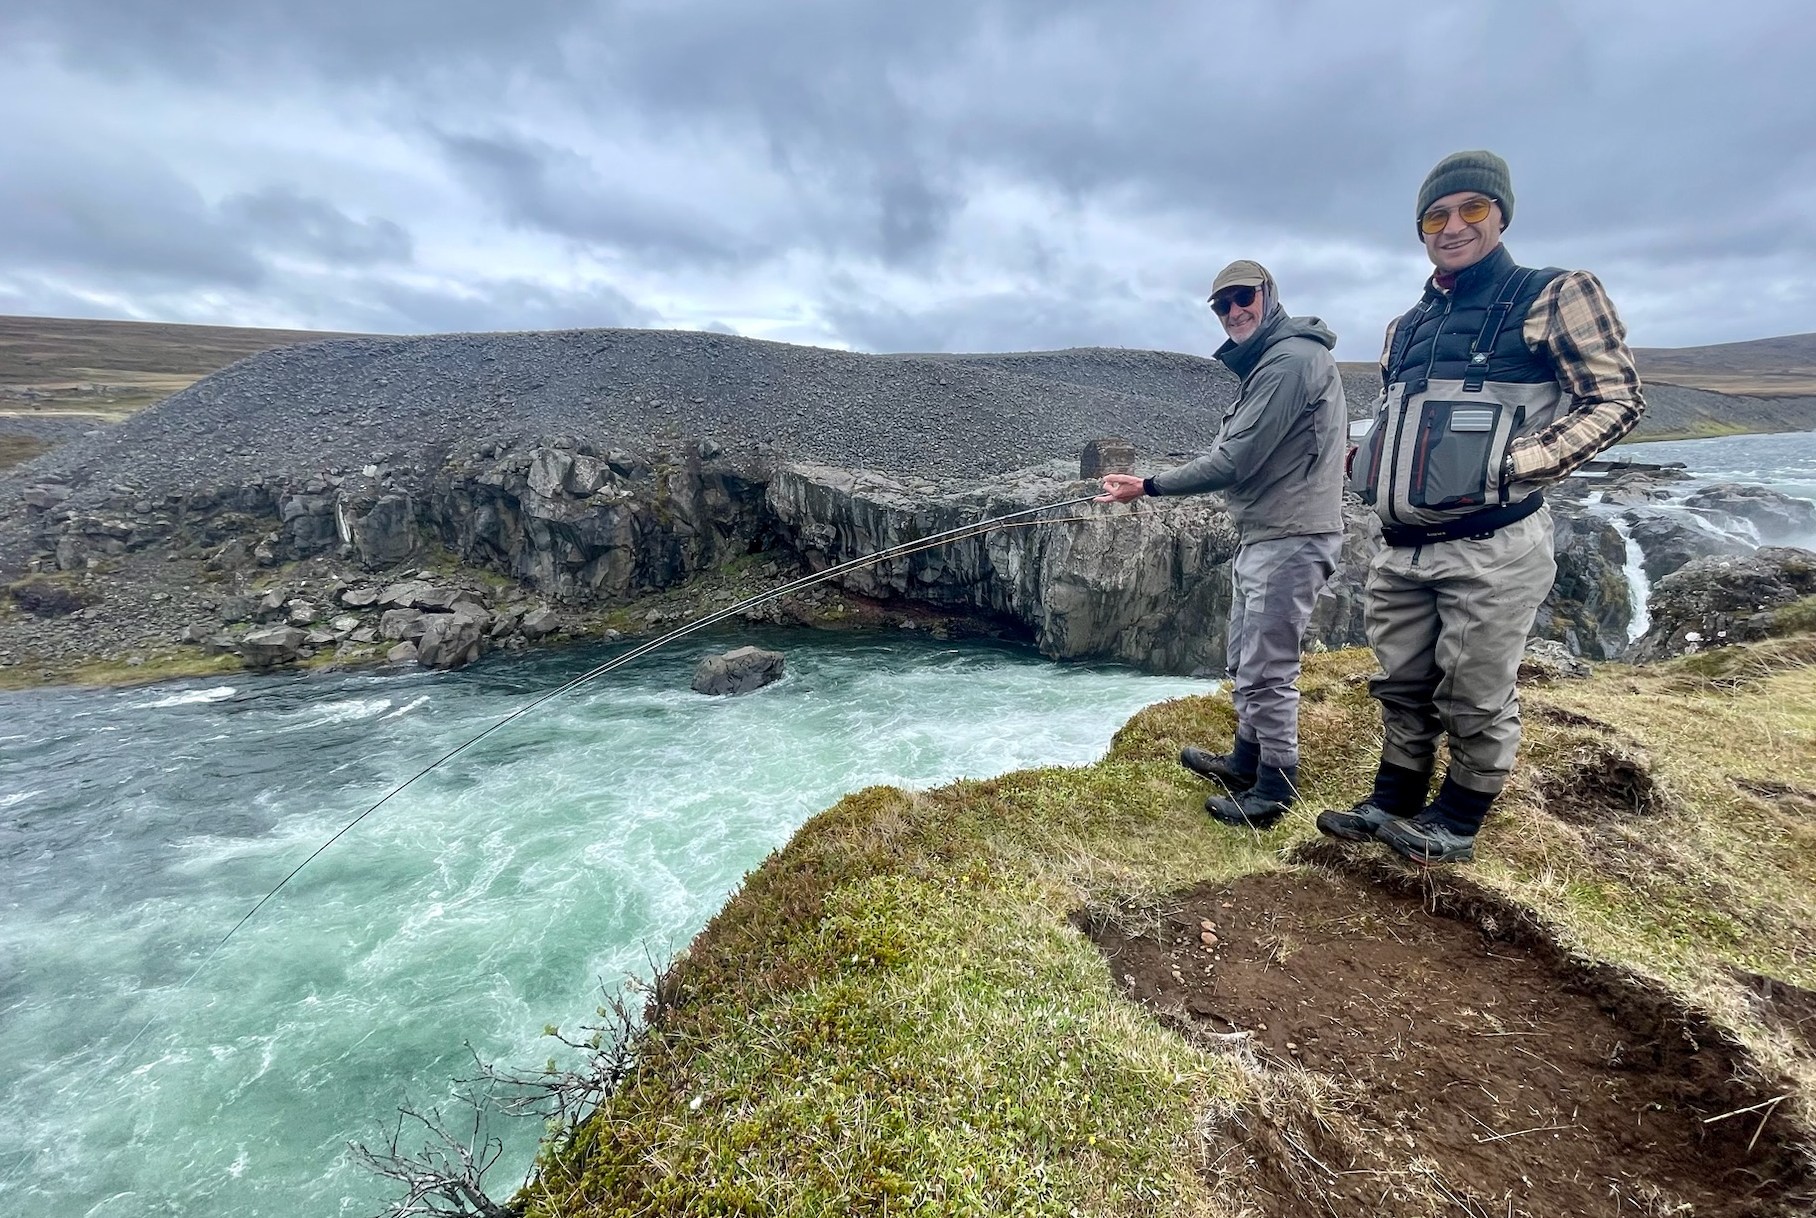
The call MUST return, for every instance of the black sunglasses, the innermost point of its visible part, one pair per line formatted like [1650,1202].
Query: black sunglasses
[1234,298]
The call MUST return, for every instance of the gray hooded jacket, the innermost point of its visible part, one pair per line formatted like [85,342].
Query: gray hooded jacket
[1278,458]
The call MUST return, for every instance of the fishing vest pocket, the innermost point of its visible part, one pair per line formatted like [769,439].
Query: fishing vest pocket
[1457,455]
[1365,466]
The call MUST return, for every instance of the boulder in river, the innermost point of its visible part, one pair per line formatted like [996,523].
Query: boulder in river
[739,671]
[449,640]
[540,622]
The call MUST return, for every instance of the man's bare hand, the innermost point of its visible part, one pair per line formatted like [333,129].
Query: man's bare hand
[1120,488]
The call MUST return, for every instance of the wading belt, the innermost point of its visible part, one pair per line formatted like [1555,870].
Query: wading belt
[1473,526]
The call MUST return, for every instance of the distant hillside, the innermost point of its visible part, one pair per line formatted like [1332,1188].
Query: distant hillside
[1763,367]
[60,366]
[1760,367]
[1766,384]
[403,402]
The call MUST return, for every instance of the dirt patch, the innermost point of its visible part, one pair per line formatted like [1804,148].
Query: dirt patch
[1600,781]
[1544,712]
[1449,1062]
[1786,796]
[16,450]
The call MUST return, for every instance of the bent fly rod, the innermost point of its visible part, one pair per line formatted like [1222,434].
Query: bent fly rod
[1017,519]
[903,550]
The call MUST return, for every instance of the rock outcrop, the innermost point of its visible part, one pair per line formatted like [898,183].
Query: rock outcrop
[583,525]
[1669,542]
[1774,515]
[1147,583]
[1591,603]
[1716,601]
[1548,661]
[579,522]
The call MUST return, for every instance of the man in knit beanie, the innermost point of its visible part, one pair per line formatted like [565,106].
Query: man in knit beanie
[1501,380]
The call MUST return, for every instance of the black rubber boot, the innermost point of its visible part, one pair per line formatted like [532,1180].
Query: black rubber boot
[1235,769]
[1262,805]
[1446,831]
[1399,792]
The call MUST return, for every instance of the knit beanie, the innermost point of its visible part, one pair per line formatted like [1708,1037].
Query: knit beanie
[1479,170]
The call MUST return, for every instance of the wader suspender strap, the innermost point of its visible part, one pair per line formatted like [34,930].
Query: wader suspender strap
[1403,336]
[1476,374]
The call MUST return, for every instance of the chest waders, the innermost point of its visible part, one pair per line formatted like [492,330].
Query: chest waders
[1452,595]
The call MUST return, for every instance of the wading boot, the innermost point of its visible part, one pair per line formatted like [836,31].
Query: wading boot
[1262,805]
[1235,769]
[1399,793]
[1443,833]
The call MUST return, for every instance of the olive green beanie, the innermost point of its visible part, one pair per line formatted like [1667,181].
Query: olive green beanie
[1479,170]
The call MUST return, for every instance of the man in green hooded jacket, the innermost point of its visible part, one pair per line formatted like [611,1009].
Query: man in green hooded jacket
[1278,463]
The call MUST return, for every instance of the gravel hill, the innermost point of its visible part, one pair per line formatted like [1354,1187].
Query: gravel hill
[342,403]
[347,402]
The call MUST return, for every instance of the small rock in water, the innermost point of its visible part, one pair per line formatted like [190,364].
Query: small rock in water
[739,671]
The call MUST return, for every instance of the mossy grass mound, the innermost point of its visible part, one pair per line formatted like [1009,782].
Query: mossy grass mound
[898,1012]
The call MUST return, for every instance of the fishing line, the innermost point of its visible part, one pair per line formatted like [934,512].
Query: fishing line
[901,550]
[1017,519]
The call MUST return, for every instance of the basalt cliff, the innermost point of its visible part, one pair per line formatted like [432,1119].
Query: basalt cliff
[349,501]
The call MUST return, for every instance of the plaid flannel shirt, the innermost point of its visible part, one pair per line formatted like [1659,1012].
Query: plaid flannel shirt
[1574,323]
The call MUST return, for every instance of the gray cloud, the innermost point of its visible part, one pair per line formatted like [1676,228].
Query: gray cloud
[957,173]
[277,218]
[539,186]
[510,304]
[111,209]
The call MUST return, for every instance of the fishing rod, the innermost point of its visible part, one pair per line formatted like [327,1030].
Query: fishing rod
[902,550]
[1016,519]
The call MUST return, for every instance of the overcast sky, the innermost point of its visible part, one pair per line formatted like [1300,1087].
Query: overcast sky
[922,175]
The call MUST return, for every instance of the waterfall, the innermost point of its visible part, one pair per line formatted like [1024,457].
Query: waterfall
[1639,584]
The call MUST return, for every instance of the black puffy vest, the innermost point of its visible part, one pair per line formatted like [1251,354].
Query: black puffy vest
[1435,339]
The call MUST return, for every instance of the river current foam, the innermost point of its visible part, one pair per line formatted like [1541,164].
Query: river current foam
[493,898]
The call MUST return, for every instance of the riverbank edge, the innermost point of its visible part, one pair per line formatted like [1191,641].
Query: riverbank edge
[896,1008]
[838,610]
[1711,431]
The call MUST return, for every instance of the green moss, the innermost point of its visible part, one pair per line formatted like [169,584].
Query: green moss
[1798,617]
[442,562]
[156,667]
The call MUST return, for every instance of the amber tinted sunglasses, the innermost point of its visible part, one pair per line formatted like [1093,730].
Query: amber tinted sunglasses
[1474,211]
[1232,298]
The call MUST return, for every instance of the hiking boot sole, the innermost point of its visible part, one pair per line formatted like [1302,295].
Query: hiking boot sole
[1230,812]
[1355,825]
[1418,850]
